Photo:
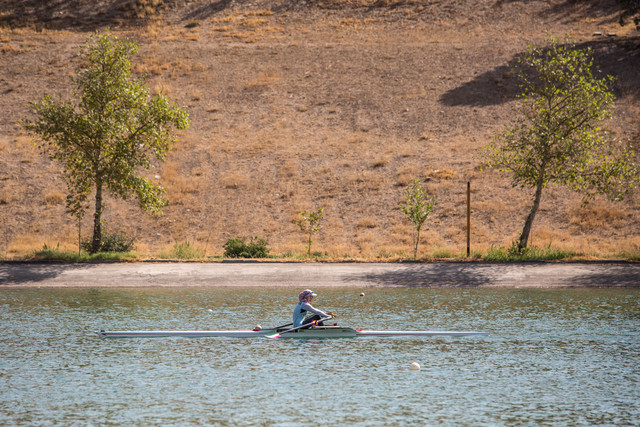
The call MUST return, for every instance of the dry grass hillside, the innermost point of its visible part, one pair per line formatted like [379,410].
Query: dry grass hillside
[297,105]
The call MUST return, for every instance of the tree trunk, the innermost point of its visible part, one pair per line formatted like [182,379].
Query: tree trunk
[524,237]
[415,248]
[96,242]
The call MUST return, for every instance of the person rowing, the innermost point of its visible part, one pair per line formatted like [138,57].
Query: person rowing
[304,306]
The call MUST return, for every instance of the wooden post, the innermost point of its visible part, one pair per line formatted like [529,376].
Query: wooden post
[468,219]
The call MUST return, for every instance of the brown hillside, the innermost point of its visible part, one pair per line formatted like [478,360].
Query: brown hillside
[303,104]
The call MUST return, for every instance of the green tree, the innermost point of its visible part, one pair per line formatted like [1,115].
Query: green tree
[417,207]
[557,136]
[108,132]
[309,224]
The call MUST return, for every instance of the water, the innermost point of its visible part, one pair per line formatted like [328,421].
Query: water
[553,357]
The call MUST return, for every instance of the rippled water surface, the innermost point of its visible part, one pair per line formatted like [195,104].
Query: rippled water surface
[565,357]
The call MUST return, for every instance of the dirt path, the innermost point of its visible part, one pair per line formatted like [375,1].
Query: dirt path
[445,274]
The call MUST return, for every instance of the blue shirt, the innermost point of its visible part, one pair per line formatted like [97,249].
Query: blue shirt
[300,311]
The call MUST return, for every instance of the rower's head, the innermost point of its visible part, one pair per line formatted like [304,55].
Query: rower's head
[306,295]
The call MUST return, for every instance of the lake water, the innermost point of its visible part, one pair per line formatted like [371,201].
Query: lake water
[553,357]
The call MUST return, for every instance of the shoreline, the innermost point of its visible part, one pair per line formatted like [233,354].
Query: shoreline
[465,274]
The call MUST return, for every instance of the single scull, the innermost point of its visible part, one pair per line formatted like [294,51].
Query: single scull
[312,332]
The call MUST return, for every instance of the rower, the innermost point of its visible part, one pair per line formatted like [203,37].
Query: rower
[304,306]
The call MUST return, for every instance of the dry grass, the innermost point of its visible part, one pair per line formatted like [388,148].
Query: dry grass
[309,108]
[440,174]
[368,222]
[597,215]
[246,26]
[54,199]
[4,144]
[142,8]
[8,47]
[380,162]
[162,88]
[234,180]
[263,80]
[406,174]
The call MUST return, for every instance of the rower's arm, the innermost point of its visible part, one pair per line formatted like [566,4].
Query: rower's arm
[314,310]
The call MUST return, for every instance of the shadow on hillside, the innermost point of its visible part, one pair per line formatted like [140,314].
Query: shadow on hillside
[616,56]
[60,14]
[207,10]
[93,15]
[89,15]
[24,273]
[567,10]
[433,275]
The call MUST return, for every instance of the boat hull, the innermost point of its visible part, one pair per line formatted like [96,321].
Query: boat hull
[420,333]
[319,332]
[314,332]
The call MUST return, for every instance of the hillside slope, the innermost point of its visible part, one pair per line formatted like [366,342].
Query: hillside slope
[303,104]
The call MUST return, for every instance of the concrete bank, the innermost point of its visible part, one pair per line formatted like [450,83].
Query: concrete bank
[316,275]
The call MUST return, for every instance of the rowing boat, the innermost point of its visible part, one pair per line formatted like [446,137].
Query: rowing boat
[312,332]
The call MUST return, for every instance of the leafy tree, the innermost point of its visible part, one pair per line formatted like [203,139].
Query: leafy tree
[417,207]
[557,137]
[310,223]
[109,131]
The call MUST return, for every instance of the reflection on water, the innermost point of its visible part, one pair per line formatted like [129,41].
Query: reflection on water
[564,357]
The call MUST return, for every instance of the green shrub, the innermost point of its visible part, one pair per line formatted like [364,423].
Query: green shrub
[111,242]
[234,248]
[531,253]
[238,248]
[310,223]
[287,254]
[50,253]
[630,255]
[444,253]
[185,251]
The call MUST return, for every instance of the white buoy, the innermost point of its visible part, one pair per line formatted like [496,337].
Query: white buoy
[361,294]
[415,366]
[210,311]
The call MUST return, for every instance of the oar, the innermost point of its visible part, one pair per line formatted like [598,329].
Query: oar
[282,326]
[306,325]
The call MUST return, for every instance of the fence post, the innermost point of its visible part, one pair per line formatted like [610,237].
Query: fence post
[79,235]
[468,219]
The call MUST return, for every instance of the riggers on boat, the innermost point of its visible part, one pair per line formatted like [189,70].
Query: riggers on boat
[287,332]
